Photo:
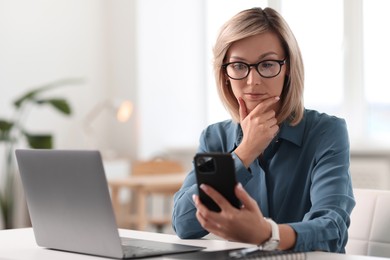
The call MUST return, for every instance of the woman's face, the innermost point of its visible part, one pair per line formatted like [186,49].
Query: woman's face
[254,88]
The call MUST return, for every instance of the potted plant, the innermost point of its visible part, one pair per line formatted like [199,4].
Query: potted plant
[12,131]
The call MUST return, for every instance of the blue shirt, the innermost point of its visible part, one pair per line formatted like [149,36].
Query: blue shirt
[303,180]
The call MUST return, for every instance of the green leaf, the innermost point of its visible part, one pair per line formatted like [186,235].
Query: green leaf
[59,104]
[7,201]
[33,93]
[28,95]
[3,207]
[41,141]
[5,126]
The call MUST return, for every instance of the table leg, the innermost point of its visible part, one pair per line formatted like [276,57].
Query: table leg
[141,209]
[115,202]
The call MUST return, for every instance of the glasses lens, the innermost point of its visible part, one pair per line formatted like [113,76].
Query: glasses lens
[237,70]
[268,68]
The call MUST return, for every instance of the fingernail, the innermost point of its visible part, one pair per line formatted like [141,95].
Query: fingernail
[193,197]
[203,187]
[239,185]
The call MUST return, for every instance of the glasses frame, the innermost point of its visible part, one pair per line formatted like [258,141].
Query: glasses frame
[256,66]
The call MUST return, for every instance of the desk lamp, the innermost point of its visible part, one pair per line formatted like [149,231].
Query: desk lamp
[122,110]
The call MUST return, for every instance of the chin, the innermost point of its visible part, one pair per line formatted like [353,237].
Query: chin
[251,105]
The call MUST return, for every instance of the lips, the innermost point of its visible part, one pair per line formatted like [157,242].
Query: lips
[255,96]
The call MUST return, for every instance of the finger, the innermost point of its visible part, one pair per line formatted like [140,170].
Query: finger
[266,104]
[269,129]
[195,198]
[274,129]
[266,121]
[208,223]
[207,219]
[245,198]
[199,205]
[268,116]
[215,196]
[271,124]
[243,111]
[202,209]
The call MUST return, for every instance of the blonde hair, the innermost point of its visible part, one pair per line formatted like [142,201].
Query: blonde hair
[252,22]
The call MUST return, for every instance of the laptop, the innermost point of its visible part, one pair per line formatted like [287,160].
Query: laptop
[70,206]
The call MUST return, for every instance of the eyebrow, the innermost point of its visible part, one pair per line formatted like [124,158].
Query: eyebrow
[260,57]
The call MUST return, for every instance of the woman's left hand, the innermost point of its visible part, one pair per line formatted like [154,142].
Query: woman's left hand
[245,225]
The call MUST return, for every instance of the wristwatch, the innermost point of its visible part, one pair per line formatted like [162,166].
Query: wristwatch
[273,242]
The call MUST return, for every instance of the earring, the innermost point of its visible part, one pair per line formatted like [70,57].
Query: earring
[227,82]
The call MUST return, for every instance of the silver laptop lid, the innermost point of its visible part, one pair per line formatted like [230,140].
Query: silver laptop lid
[69,202]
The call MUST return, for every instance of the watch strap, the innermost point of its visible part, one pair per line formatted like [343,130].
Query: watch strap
[273,242]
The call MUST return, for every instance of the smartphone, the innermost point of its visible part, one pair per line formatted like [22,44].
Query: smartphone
[216,170]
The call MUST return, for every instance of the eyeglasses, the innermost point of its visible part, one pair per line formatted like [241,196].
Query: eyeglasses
[266,68]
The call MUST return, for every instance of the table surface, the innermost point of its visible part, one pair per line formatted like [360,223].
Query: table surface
[20,244]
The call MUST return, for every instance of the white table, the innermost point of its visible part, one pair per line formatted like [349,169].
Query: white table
[18,244]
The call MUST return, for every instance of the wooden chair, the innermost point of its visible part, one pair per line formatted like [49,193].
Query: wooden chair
[159,167]
[149,180]
[156,166]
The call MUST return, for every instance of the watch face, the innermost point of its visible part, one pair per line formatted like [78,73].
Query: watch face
[270,245]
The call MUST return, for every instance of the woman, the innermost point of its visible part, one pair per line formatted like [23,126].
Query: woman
[292,164]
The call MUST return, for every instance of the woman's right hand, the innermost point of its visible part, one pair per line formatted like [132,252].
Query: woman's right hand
[259,127]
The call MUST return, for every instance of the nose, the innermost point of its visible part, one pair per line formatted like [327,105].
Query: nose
[254,77]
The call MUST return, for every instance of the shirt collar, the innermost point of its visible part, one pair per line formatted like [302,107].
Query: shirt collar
[293,134]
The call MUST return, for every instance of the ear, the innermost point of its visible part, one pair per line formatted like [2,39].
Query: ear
[225,79]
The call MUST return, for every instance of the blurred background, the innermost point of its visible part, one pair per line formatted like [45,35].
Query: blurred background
[157,55]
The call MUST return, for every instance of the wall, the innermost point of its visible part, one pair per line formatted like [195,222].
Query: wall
[42,41]
[159,68]
[171,74]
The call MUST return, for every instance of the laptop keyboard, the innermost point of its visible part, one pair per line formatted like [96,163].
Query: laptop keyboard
[132,248]
[133,251]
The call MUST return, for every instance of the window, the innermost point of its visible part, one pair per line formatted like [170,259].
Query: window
[321,42]
[376,67]
[344,48]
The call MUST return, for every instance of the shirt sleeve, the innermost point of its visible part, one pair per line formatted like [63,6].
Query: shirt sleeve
[325,226]
[184,221]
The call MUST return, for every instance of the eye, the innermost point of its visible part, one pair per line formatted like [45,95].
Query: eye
[266,65]
[238,66]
